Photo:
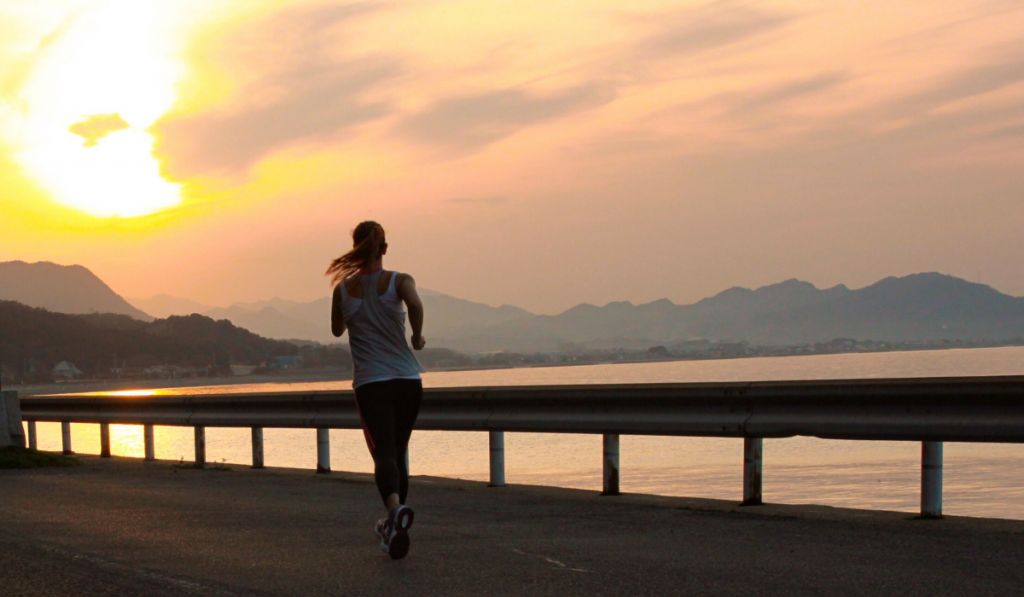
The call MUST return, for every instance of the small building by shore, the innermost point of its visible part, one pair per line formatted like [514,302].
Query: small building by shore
[65,370]
[242,370]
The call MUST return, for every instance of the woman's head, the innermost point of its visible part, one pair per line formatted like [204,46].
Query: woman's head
[368,245]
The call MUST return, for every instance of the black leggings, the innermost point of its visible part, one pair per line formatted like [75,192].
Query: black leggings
[388,410]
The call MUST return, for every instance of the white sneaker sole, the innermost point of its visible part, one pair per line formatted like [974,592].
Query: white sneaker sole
[398,547]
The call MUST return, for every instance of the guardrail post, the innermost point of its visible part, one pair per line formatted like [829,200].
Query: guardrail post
[931,479]
[257,447]
[104,440]
[11,431]
[33,442]
[611,464]
[497,441]
[753,449]
[200,446]
[323,451]
[65,437]
[147,440]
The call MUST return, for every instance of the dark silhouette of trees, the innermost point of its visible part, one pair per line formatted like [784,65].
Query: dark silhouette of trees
[33,340]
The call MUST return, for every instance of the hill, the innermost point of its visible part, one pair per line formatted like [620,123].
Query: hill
[37,339]
[62,288]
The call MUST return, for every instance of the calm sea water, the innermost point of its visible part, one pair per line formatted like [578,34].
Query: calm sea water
[980,480]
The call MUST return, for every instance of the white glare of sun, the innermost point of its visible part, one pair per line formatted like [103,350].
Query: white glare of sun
[117,59]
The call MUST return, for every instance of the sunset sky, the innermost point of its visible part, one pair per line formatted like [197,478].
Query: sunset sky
[534,153]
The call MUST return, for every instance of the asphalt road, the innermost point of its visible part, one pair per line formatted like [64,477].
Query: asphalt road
[124,527]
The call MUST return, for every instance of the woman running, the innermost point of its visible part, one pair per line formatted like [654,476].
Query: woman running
[368,302]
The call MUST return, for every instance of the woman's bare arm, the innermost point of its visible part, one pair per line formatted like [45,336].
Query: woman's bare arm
[337,319]
[406,288]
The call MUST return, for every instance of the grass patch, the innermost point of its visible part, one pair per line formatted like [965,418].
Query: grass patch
[221,466]
[182,464]
[213,466]
[18,458]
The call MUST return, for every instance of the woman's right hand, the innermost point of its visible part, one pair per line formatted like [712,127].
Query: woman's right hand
[418,342]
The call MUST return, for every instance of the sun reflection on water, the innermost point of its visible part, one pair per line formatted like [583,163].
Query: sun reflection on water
[131,393]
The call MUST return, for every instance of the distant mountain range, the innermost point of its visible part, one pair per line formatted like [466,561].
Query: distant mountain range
[919,307]
[450,317]
[928,306]
[162,306]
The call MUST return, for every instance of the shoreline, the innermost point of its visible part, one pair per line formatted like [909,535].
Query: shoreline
[313,376]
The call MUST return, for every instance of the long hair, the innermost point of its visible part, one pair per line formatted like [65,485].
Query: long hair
[367,242]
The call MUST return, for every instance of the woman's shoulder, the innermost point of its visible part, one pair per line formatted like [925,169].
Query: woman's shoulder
[403,280]
[405,287]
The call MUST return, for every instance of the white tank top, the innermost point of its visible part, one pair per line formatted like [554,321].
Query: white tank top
[376,325]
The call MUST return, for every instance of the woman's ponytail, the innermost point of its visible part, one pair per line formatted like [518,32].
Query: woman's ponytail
[367,242]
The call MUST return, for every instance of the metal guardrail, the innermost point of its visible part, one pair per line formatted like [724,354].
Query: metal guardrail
[929,410]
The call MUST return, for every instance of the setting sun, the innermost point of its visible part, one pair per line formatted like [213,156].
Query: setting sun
[92,94]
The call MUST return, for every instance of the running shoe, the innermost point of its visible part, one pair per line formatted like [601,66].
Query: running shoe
[395,532]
